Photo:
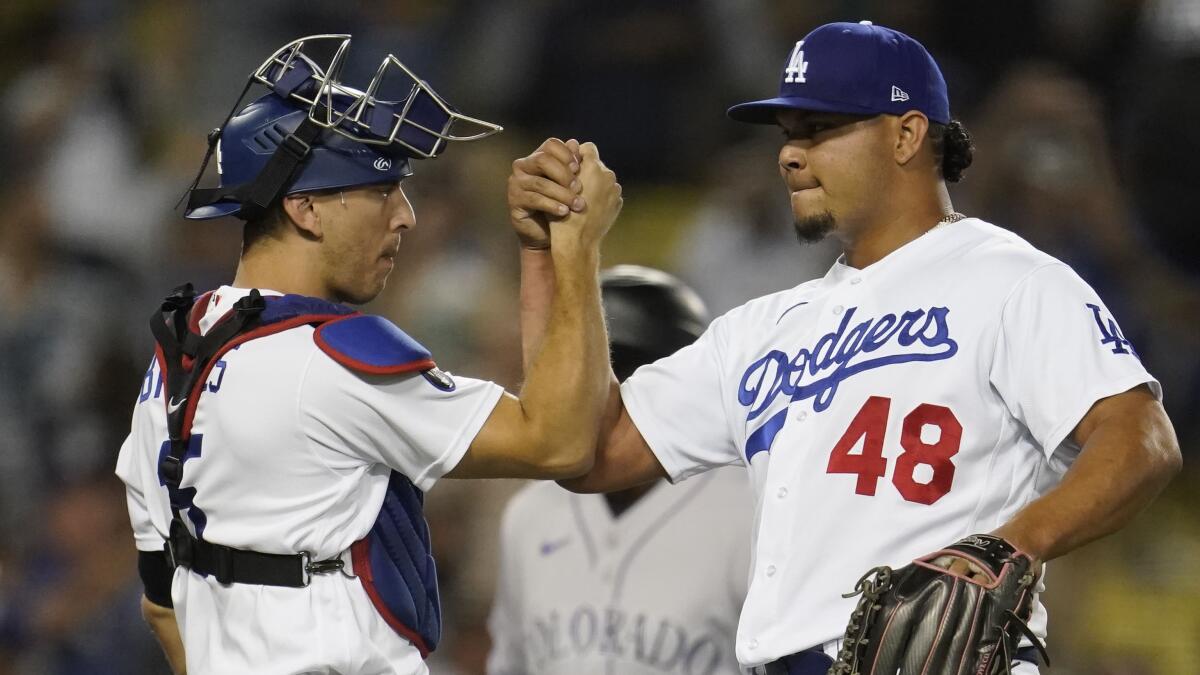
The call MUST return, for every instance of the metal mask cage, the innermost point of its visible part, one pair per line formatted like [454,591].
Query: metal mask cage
[421,123]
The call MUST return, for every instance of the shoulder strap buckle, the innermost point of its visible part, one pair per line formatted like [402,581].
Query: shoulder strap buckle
[179,545]
[170,468]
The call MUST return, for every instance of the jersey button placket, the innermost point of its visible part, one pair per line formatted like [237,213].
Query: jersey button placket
[841,307]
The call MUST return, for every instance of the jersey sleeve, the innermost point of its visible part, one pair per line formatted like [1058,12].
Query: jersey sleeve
[141,479]
[678,404]
[1058,351]
[145,537]
[420,426]
[505,622]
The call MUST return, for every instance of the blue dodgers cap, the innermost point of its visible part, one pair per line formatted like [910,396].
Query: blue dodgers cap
[857,69]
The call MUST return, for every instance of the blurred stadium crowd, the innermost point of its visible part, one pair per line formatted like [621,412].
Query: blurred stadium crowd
[1084,114]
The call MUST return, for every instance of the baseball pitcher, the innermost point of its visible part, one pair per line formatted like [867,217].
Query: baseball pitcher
[926,425]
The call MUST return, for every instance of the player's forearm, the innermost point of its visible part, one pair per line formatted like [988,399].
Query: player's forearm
[537,295]
[1126,462]
[566,385]
[162,623]
[602,472]
[623,459]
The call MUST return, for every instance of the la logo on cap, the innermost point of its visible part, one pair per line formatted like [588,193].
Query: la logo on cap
[797,66]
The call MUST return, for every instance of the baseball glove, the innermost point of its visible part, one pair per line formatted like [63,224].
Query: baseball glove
[922,619]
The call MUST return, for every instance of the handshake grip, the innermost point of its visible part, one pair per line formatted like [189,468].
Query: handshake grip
[602,198]
[562,187]
[922,619]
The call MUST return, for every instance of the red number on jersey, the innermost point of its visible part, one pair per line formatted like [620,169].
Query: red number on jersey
[937,455]
[870,424]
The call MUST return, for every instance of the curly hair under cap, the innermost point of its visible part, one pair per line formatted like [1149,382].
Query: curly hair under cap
[952,145]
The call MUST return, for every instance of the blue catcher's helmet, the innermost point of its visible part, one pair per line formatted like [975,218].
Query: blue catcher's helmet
[311,132]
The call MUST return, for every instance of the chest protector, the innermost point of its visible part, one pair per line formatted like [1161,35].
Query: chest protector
[393,561]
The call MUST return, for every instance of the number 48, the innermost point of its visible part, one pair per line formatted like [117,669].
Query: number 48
[870,424]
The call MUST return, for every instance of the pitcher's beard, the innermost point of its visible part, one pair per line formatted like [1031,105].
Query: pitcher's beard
[811,229]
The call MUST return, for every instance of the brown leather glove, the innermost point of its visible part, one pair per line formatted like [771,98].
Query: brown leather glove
[923,620]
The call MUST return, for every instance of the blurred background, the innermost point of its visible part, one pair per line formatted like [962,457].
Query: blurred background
[1084,114]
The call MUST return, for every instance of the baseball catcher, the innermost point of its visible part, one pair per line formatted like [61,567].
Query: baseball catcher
[283,442]
[941,615]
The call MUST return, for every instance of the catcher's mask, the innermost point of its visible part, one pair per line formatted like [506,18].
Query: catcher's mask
[311,132]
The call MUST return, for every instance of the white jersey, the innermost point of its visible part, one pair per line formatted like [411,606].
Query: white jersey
[654,591]
[291,452]
[885,412]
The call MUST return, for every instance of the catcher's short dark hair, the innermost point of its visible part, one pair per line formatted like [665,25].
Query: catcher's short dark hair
[256,230]
[953,147]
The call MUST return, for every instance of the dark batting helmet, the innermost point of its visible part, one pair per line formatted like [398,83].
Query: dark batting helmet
[650,313]
[311,132]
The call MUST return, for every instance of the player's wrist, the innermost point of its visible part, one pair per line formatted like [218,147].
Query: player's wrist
[532,243]
[537,258]
[575,249]
[1025,542]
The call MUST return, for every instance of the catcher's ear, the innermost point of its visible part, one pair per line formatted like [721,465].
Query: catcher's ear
[303,210]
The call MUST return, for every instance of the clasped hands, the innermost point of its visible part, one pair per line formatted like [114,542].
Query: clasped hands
[562,193]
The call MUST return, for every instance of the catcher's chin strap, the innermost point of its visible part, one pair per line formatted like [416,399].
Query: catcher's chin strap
[257,195]
[186,357]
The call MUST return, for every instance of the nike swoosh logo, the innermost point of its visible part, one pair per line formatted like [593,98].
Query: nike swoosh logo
[798,304]
[172,406]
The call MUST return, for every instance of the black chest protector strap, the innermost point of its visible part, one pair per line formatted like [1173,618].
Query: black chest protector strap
[186,357]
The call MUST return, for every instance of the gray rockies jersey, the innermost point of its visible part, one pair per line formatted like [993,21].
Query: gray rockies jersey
[656,590]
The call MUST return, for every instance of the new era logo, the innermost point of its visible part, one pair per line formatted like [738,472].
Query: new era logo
[899,94]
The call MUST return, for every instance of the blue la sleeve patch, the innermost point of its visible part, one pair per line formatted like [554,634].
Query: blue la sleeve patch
[1110,332]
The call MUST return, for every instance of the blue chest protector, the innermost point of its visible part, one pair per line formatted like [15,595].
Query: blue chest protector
[394,560]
